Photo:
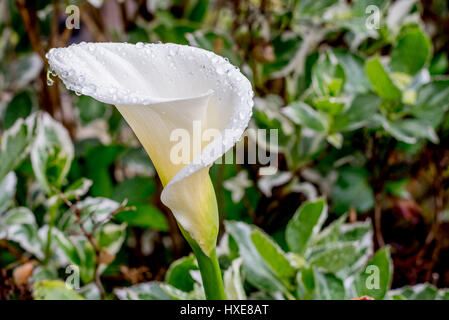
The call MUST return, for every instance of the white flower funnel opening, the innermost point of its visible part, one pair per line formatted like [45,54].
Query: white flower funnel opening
[160,88]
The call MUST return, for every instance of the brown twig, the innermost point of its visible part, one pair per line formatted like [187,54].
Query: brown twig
[31,29]
[91,24]
[378,220]
[54,32]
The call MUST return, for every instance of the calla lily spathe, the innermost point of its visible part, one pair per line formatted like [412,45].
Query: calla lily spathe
[159,88]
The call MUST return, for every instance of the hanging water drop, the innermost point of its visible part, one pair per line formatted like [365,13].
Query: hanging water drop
[50,81]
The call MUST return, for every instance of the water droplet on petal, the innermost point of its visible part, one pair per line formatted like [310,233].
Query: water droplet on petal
[220,70]
[139,45]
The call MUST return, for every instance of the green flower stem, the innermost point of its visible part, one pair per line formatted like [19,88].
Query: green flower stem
[209,269]
[211,275]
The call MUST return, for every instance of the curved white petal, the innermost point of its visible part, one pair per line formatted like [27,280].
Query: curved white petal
[159,88]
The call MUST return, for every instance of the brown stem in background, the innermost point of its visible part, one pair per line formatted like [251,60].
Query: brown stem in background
[30,26]
[378,220]
[50,99]
[91,24]
[124,15]
[54,27]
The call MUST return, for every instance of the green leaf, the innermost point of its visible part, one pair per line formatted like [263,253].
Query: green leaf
[99,161]
[334,256]
[151,291]
[432,101]
[51,154]
[90,292]
[398,188]
[19,107]
[178,274]
[316,285]
[330,105]
[94,212]
[54,290]
[418,129]
[353,65]
[360,234]
[76,190]
[408,130]
[80,252]
[7,191]
[16,144]
[411,52]
[256,269]
[328,287]
[198,11]
[306,283]
[273,255]
[313,7]
[380,80]
[332,232]
[136,190]
[90,109]
[145,216]
[233,283]
[352,189]
[375,279]
[362,108]
[305,224]
[17,216]
[422,291]
[303,114]
[111,237]
[137,160]
[208,40]
[328,76]
[23,70]
[335,139]
[439,64]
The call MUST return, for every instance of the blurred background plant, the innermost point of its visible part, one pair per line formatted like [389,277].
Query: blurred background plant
[359,91]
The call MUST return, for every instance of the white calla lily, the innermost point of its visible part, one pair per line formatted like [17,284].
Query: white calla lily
[159,88]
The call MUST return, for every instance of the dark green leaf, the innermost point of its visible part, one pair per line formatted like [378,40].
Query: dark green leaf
[375,279]
[352,189]
[411,52]
[305,224]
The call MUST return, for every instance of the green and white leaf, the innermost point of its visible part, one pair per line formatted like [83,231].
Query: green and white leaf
[305,225]
[151,291]
[233,282]
[16,144]
[7,191]
[52,153]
